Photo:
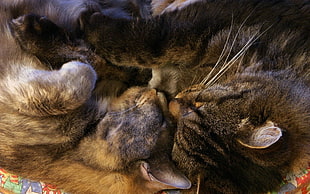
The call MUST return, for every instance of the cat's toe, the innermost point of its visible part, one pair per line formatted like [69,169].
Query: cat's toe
[35,28]
[28,24]
[18,21]
[91,8]
[84,19]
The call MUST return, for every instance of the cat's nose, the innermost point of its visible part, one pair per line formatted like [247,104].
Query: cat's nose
[174,108]
[179,108]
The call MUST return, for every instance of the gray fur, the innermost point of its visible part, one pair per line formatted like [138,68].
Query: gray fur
[53,126]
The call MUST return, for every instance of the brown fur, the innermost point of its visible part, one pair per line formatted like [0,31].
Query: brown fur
[54,128]
[223,119]
[241,131]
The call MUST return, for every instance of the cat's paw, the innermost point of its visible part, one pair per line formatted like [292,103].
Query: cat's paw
[43,93]
[84,19]
[104,34]
[35,33]
[70,87]
[80,76]
[36,26]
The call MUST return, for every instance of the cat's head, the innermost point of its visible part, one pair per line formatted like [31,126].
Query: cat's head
[134,138]
[245,135]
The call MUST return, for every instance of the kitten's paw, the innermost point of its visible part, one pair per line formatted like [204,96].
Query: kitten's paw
[85,16]
[33,25]
[102,31]
[43,93]
[81,77]
[35,32]
[85,19]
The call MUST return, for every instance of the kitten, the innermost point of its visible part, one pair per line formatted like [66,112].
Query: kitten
[63,30]
[243,119]
[55,130]
[242,84]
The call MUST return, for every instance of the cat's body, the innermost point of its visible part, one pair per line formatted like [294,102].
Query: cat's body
[243,130]
[195,36]
[240,131]
[53,129]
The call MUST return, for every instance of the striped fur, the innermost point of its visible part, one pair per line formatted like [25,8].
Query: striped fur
[54,128]
[240,74]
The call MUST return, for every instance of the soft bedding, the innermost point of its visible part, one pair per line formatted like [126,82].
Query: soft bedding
[13,184]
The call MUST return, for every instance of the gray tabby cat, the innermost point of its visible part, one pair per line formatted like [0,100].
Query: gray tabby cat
[240,73]
[55,129]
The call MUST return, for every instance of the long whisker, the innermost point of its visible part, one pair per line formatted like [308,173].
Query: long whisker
[224,49]
[222,53]
[230,63]
[236,57]
[195,78]
[239,64]
[198,184]
[238,32]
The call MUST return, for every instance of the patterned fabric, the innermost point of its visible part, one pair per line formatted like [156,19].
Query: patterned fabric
[10,183]
[18,185]
[300,184]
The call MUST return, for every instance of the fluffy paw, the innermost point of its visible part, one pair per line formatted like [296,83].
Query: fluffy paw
[42,93]
[80,76]
[36,33]
[85,19]
[85,16]
[36,26]
[48,42]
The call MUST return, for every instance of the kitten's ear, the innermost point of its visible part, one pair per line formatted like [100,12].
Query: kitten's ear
[261,137]
[163,175]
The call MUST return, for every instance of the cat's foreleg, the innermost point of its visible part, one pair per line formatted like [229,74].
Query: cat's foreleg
[52,44]
[43,93]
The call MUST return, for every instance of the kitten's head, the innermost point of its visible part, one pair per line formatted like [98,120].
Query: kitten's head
[243,136]
[134,138]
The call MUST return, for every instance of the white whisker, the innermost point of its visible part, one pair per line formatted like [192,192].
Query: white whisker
[230,63]
[235,38]
[225,46]
[236,57]
[239,64]
[221,55]
[194,79]
[198,184]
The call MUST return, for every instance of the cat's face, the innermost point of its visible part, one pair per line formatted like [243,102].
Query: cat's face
[249,129]
[135,138]
[119,126]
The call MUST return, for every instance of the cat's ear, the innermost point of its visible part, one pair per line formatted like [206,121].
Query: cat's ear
[261,137]
[163,175]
